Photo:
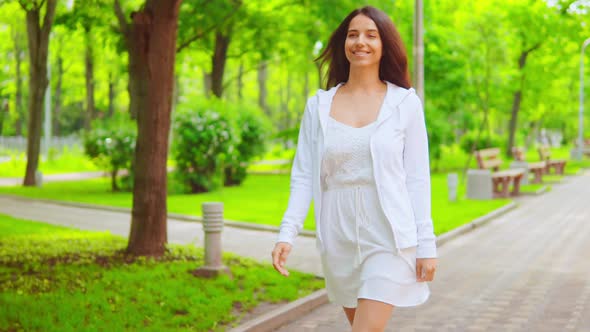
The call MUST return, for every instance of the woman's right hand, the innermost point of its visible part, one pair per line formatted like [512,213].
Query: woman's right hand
[279,257]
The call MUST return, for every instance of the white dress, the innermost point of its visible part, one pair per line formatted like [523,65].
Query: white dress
[361,259]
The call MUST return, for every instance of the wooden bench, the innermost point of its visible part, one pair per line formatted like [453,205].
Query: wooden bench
[490,159]
[545,155]
[537,168]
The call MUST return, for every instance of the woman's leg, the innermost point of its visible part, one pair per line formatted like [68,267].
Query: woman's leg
[371,316]
[349,314]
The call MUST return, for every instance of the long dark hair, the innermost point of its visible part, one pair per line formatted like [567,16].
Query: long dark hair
[394,61]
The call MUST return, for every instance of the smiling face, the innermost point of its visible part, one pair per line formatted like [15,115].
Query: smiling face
[363,43]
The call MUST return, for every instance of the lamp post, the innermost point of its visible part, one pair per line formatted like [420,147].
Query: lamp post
[580,148]
[419,49]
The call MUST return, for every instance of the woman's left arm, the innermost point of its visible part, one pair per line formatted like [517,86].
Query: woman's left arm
[417,168]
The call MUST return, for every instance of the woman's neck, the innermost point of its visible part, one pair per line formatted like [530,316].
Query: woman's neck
[364,80]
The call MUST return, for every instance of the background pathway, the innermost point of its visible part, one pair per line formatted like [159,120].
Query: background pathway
[525,271]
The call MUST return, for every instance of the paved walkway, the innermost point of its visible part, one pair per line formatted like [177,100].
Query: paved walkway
[248,243]
[525,271]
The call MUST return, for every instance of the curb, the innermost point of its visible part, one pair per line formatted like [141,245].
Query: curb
[280,316]
[289,312]
[542,190]
[175,216]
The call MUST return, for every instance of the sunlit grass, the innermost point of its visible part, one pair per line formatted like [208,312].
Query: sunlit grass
[59,279]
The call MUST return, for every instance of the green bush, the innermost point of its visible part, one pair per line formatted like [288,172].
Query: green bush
[203,138]
[253,130]
[486,140]
[111,144]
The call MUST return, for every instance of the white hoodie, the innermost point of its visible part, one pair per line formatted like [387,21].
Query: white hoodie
[399,149]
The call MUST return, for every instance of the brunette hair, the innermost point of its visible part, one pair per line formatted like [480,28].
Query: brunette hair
[394,61]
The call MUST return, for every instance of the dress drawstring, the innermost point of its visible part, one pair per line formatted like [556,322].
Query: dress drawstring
[357,216]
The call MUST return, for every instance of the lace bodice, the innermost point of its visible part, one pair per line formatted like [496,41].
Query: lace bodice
[347,156]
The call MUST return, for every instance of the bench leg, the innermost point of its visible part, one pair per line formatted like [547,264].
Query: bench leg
[516,186]
[505,182]
[538,176]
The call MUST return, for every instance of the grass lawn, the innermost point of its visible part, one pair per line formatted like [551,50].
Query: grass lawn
[60,279]
[68,161]
[261,199]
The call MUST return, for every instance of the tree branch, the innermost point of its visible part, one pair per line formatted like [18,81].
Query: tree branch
[202,34]
[123,25]
[49,16]
[247,71]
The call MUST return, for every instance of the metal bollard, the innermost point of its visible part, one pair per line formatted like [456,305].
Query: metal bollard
[452,182]
[38,179]
[212,226]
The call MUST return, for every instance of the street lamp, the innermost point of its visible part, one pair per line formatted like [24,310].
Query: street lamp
[419,49]
[579,152]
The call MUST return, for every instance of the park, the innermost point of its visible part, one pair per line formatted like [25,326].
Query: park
[146,149]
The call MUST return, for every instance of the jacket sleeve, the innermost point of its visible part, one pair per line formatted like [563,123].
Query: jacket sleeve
[301,183]
[417,168]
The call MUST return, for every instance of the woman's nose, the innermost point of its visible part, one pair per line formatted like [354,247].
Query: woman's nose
[361,40]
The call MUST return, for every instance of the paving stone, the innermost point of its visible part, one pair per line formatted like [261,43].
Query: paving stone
[525,271]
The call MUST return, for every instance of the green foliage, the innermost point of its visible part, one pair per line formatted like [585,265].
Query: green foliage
[111,144]
[486,140]
[204,137]
[58,279]
[253,130]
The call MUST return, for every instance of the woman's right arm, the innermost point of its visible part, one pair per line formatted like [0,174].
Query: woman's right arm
[299,197]
[301,183]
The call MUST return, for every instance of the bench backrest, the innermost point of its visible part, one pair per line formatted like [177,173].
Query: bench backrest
[518,153]
[544,153]
[488,158]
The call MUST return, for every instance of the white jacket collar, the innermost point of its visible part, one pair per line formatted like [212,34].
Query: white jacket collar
[393,97]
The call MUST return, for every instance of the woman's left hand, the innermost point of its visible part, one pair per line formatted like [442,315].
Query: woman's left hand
[425,268]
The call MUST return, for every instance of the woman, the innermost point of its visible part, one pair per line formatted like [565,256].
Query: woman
[362,156]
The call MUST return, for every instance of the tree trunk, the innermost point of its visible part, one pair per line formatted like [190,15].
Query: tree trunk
[89,71]
[152,42]
[262,91]
[38,39]
[57,100]
[3,113]
[517,99]
[20,114]
[138,77]
[111,96]
[240,81]
[513,120]
[219,60]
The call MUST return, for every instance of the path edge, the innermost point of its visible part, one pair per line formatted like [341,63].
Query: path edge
[289,312]
[284,314]
[174,216]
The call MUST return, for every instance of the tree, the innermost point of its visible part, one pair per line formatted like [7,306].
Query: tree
[150,38]
[533,23]
[38,40]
